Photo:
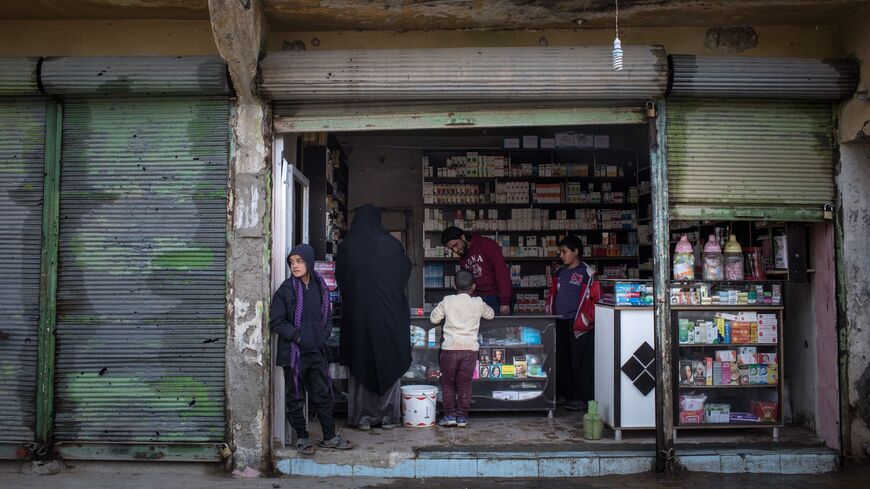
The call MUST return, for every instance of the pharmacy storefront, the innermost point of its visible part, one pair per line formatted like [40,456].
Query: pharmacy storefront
[702,208]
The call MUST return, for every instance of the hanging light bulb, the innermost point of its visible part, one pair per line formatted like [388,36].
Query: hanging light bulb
[617,55]
[617,44]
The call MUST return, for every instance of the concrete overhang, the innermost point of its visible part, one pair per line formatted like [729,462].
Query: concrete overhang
[404,15]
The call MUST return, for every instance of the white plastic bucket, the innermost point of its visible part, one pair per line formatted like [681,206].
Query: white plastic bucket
[418,405]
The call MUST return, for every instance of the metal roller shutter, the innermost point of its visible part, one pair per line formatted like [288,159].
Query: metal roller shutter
[135,75]
[531,74]
[22,163]
[141,282]
[749,159]
[750,77]
[18,76]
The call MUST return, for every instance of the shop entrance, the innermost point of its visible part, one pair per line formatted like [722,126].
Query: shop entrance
[526,188]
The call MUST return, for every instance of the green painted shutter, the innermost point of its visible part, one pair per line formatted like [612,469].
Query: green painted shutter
[739,159]
[22,162]
[142,273]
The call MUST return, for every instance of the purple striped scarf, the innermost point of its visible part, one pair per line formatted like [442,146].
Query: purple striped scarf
[298,289]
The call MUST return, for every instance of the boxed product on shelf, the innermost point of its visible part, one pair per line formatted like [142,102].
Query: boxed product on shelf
[326,269]
[767,411]
[520,367]
[418,336]
[743,418]
[506,395]
[508,371]
[717,413]
[724,293]
[692,408]
[525,395]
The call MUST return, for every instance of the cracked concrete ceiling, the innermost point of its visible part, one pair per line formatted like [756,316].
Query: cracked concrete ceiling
[329,15]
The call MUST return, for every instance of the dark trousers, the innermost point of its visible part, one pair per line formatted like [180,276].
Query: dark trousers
[313,379]
[457,370]
[491,301]
[575,363]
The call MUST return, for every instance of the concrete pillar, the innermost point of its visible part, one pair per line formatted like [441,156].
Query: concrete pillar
[853,181]
[239,29]
[853,269]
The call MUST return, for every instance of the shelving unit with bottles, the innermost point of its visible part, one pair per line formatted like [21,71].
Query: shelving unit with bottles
[728,354]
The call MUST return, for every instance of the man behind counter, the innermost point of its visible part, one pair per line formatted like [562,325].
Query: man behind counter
[483,258]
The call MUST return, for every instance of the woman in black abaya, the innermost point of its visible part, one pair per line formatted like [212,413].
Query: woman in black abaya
[375,343]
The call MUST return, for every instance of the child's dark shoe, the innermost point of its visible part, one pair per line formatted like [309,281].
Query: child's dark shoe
[447,421]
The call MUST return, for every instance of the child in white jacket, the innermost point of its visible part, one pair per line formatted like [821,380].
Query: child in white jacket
[461,314]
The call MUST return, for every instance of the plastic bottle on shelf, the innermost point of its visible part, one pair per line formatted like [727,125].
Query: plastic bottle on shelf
[733,260]
[684,260]
[713,260]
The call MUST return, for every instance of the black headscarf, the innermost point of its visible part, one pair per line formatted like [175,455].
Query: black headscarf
[373,271]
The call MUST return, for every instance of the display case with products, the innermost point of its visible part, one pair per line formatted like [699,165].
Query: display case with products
[515,370]
[728,361]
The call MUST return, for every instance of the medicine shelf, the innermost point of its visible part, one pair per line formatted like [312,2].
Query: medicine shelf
[718,345]
[512,288]
[537,205]
[751,386]
[547,231]
[510,379]
[544,258]
[537,179]
[727,425]
[728,307]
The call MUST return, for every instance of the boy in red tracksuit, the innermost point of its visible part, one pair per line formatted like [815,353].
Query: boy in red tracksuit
[572,297]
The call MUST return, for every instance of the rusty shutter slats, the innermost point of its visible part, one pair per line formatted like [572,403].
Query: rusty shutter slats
[558,73]
[139,75]
[749,77]
[18,76]
[22,163]
[142,275]
[749,154]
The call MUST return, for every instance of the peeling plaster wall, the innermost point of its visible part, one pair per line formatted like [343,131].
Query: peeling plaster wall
[374,169]
[855,41]
[145,37]
[787,41]
[106,38]
[249,279]
[853,182]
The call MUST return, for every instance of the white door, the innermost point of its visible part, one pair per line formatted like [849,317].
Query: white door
[290,227]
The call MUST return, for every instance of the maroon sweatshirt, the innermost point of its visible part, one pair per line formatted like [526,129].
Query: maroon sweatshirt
[483,258]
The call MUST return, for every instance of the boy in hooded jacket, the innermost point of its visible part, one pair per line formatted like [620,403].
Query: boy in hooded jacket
[301,316]
[572,297]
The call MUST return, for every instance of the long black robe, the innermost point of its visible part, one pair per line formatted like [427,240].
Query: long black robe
[372,272]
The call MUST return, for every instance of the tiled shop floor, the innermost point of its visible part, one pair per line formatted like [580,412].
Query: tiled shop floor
[530,445]
[531,432]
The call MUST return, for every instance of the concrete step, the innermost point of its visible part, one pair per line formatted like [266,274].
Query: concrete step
[547,464]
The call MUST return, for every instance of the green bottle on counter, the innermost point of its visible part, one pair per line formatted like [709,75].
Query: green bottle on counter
[592,423]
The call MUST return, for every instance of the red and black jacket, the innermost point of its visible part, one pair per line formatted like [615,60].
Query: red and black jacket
[590,293]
